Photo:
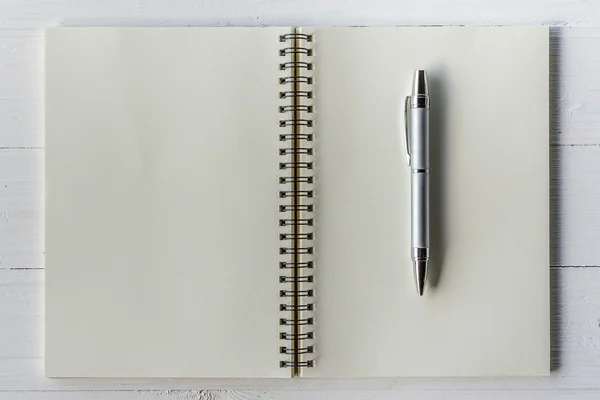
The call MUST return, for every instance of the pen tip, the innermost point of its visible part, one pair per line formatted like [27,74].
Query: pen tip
[420,270]
[420,85]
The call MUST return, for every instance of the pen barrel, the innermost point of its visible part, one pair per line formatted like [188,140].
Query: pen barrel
[419,150]
[419,205]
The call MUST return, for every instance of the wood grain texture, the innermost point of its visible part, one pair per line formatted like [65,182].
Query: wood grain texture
[575,191]
[21,89]
[575,88]
[18,14]
[311,394]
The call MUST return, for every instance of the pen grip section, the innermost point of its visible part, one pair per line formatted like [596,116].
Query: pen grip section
[419,207]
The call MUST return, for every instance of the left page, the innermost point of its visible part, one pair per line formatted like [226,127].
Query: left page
[161,202]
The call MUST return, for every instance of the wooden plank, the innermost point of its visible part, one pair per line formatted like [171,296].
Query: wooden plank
[575,85]
[312,394]
[574,197]
[575,350]
[21,208]
[418,394]
[18,14]
[574,202]
[21,89]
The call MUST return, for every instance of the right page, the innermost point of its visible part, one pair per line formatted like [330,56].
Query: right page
[485,311]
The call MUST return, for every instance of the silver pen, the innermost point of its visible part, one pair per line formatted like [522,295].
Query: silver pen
[416,116]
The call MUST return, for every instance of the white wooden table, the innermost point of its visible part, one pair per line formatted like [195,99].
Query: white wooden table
[575,190]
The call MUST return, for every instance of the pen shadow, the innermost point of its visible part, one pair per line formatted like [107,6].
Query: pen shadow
[437,163]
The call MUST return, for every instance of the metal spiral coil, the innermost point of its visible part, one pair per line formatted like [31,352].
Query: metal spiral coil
[286,350]
[287,279]
[292,193]
[296,207]
[292,336]
[296,196]
[295,265]
[297,364]
[295,35]
[296,64]
[303,307]
[291,236]
[293,164]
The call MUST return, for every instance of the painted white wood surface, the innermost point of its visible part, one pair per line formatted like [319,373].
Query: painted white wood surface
[575,193]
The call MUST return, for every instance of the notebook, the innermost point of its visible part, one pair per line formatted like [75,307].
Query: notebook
[234,202]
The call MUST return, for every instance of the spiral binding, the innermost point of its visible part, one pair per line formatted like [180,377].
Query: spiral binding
[296,197]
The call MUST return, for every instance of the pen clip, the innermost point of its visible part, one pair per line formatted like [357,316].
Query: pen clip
[406,128]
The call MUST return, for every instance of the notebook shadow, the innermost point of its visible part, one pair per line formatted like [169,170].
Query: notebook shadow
[437,163]
[555,201]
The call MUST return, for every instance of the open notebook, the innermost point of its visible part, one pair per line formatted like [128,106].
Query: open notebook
[234,202]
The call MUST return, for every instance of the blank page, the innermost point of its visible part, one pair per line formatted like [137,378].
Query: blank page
[486,306]
[162,207]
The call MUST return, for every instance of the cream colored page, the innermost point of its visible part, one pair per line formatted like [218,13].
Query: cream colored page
[162,207]
[486,307]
